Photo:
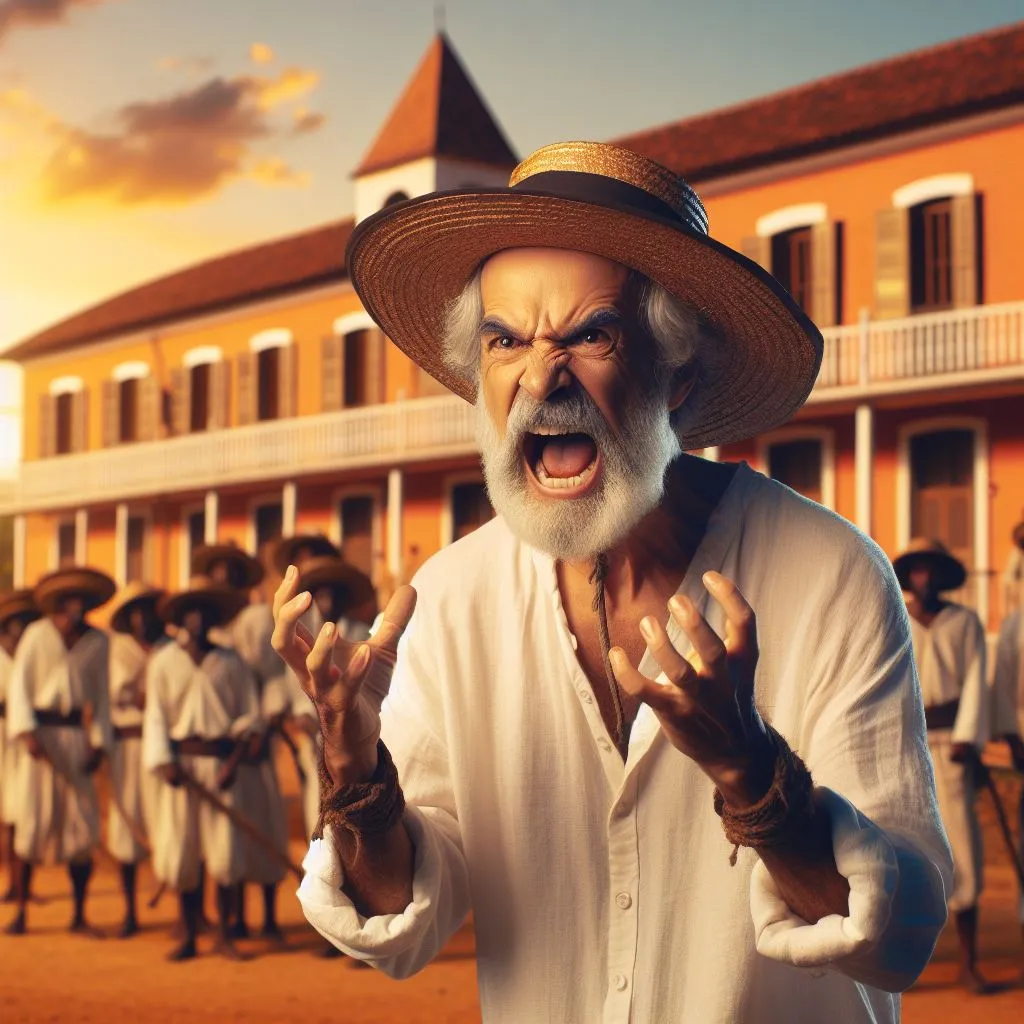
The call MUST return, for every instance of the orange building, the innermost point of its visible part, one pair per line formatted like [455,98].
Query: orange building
[251,396]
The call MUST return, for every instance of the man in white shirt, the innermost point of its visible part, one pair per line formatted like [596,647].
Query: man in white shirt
[58,709]
[137,633]
[631,847]
[17,610]
[949,648]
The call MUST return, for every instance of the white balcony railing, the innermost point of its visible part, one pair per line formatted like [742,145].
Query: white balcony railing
[390,434]
[957,348]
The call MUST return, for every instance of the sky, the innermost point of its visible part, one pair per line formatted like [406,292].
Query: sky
[140,136]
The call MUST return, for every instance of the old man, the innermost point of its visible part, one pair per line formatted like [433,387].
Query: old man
[657,725]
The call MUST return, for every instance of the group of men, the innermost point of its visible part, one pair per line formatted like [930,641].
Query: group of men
[186,702]
[966,706]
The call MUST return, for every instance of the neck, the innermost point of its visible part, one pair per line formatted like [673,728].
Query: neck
[927,604]
[198,644]
[660,548]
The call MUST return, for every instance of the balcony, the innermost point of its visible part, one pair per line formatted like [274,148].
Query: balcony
[959,348]
[955,348]
[379,435]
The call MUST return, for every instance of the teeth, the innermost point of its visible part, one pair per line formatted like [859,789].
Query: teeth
[566,482]
[550,432]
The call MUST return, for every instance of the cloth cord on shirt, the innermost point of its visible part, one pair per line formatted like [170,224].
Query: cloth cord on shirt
[597,577]
[784,809]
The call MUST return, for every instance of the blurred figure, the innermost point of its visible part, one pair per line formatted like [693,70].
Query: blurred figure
[298,551]
[17,610]
[1013,574]
[58,709]
[949,648]
[138,633]
[201,707]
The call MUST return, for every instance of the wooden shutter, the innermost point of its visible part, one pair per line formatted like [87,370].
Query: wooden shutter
[759,249]
[219,395]
[247,391]
[80,421]
[892,264]
[47,426]
[375,356]
[964,218]
[110,398]
[150,397]
[181,404]
[287,357]
[332,371]
[823,274]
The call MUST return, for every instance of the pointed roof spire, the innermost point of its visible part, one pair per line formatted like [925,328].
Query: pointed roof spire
[440,114]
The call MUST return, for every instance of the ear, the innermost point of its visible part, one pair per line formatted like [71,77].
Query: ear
[683,382]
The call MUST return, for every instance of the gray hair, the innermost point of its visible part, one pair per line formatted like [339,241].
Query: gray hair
[678,332]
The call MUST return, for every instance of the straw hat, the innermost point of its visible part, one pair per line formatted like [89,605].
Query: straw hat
[330,571]
[409,261]
[286,550]
[15,603]
[224,602]
[204,556]
[949,572]
[94,587]
[133,594]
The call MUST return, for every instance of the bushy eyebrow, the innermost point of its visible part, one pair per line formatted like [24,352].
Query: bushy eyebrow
[607,317]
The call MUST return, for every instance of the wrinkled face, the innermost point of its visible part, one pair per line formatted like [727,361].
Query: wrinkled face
[573,425]
[921,578]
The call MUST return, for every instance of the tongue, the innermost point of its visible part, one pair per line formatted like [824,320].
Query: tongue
[568,455]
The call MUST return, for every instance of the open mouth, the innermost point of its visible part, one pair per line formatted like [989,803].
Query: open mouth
[560,460]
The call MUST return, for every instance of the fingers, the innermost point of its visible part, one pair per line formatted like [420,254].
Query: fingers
[741,623]
[659,696]
[320,660]
[286,589]
[290,639]
[679,671]
[706,642]
[396,618]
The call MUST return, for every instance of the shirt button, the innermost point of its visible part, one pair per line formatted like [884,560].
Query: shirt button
[620,982]
[624,900]
[585,697]
[604,744]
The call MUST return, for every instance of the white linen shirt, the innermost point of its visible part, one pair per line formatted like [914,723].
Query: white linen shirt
[1008,678]
[602,891]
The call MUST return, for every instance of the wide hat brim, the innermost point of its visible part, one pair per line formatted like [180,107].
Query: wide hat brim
[95,588]
[132,595]
[408,263]
[205,556]
[15,603]
[950,573]
[335,572]
[319,545]
[224,603]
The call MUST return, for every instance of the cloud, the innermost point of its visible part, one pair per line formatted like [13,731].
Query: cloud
[14,13]
[193,64]
[176,149]
[260,53]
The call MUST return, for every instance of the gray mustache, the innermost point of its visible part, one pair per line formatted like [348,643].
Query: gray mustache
[572,412]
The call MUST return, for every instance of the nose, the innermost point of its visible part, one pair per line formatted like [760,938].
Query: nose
[547,371]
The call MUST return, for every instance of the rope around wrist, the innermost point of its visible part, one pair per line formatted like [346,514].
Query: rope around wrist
[787,807]
[370,808]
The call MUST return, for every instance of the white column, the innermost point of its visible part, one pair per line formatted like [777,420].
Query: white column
[982,501]
[121,543]
[19,551]
[210,512]
[395,523]
[289,507]
[711,454]
[863,459]
[81,536]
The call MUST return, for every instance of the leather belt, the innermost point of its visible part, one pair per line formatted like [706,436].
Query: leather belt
[195,746]
[73,719]
[941,716]
[127,732]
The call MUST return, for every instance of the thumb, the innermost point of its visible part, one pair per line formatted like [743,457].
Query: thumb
[395,620]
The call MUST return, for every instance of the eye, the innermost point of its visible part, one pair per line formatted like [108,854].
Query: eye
[504,342]
[593,337]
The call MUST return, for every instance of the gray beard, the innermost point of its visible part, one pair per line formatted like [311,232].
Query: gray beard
[631,484]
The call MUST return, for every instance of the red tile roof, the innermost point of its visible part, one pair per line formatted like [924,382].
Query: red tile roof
[301,261]
[956,79]
[440,113]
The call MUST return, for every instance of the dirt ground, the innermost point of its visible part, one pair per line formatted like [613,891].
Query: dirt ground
[50,976]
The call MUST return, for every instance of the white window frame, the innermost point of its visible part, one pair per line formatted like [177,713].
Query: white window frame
[202,355]
[135,369]
[449,483]
[376,494]
[185,545]
[66,386]
[274,337]
[789,218]
[938,186]
[349,323]
[826,436]
[981,487]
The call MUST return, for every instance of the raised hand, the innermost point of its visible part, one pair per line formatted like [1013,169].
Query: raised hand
[347,682]
[707,707]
